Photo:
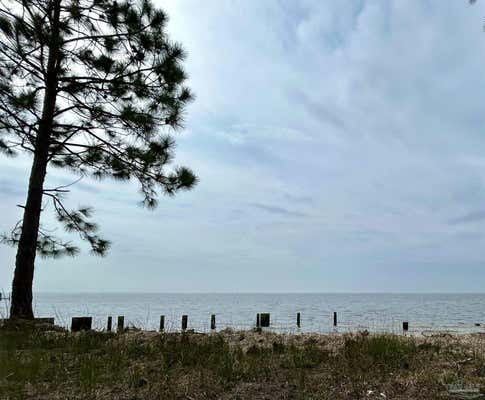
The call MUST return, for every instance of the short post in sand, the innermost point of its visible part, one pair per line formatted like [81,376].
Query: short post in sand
[81,324]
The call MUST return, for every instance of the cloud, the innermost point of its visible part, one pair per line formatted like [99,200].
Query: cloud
[246,134]
[278,210]
[321,111]
[298,199]
[475,216]
[9,188]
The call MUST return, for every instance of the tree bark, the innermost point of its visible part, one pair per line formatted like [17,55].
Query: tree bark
[21,301]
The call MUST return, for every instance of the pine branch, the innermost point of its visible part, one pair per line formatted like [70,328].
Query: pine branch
[118,85]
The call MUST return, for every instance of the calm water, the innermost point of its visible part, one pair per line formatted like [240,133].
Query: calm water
[375,312]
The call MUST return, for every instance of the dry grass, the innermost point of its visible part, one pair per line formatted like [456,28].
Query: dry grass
[39,364]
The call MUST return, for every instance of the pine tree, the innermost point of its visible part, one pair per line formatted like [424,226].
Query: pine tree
[93,86]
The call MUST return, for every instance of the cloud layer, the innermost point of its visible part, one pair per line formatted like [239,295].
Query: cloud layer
[340,147]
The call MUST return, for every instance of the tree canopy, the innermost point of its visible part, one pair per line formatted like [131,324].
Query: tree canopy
[118,84]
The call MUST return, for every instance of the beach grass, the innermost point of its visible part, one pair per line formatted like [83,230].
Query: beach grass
[36,363]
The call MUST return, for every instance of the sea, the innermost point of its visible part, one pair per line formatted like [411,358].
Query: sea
[375,312]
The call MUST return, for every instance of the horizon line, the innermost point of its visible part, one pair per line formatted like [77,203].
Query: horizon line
[255,292]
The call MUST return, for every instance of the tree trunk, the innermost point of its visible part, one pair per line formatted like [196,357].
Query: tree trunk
[21,301]
[21,305]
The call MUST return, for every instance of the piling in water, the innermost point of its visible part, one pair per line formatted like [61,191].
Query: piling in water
[334,318]
[184,322]
[265,320]
[109,326]
[298,320]
[121,324]
[162,323]
[213,321]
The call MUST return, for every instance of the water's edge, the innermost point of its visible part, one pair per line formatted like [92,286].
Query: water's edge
[383,312]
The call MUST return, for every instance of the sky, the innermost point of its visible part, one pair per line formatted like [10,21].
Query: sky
[340,147]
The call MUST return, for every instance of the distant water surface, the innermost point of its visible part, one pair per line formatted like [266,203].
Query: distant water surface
[374,312]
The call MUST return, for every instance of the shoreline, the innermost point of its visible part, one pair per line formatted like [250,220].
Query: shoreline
[49,322]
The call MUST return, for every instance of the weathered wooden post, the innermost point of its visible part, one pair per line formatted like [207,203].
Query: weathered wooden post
[121,324]
[81,324]
[110,323]
[258,321]
[298,320]
[213,321]
[184,322]
[162,323]
[405,326]
[264,320]
[334,318]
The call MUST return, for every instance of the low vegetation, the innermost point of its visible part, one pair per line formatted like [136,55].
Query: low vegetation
[37,363]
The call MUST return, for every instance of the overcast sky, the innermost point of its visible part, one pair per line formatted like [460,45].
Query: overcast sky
[340,147]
